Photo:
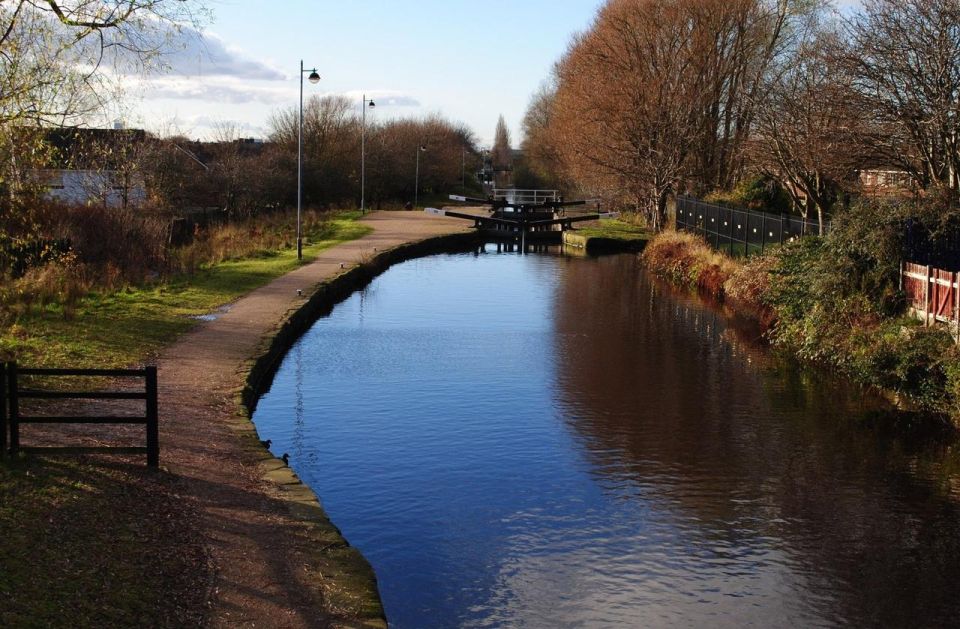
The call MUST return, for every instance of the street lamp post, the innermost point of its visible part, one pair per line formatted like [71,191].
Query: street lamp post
[363,154]
[313,78]
[416,181]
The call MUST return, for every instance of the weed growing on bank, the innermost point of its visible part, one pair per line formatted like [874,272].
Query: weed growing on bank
[832,301]
[687,260]
[830,310]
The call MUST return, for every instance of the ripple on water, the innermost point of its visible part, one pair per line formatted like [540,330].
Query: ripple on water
[536,441]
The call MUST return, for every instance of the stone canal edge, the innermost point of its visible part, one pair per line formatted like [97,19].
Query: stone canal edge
[278,560]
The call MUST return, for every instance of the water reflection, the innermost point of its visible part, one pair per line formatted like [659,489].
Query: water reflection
[759,460]
[547,441]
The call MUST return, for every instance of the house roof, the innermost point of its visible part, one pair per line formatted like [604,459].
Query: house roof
[77,148]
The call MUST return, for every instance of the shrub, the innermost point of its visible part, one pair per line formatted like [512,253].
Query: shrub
[917,362]
[835,301]
[134,244]
[862,252]
[688,260]
[748,287]
[113,248]
[263,235]
[761,193]
[59,283]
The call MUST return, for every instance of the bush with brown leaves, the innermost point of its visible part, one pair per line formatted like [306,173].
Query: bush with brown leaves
[687,260]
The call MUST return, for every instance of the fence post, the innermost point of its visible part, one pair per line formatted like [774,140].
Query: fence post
[153,419]
[730,212]
[715,222]
[3,410]
[763,230]
[926,299]
[14,408]
[955,295]
[784,219]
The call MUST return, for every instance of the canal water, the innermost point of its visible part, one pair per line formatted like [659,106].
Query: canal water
[548,441]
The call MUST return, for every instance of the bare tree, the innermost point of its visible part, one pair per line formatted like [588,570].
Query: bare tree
[22,152]
[736,45]
[331,147]
[626,112]
[60,63]
[332,153]
[660,95]
[53,53]
[177,173]
[392,155]
[903,57]
[502,154]
[809,128]
[540,156]
[110,165]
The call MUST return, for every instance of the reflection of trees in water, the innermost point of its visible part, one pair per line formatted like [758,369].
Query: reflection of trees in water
[665,397]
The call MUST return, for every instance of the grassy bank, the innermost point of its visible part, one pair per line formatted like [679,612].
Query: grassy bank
[830,302]
[614,228]
[688,261]
[123,325]
[92,542]
[97,546]
[608,235]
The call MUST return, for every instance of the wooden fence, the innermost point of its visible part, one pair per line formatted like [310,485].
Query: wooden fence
[11,417]
[934,294]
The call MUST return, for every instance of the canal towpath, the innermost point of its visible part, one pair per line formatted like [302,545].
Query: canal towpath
[277,560]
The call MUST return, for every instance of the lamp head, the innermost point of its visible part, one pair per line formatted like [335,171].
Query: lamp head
[423,147]
[372,104]
[314,77]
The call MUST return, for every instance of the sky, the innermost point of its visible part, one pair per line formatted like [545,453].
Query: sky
[468,61]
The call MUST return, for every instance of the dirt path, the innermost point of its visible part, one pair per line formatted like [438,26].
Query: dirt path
[278,561]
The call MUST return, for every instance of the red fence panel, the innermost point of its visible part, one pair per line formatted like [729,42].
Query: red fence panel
[934,294]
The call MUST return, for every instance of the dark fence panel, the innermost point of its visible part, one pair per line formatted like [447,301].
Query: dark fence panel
[921,247]
[3,410]
[11,392]
[184,228]
[741,232]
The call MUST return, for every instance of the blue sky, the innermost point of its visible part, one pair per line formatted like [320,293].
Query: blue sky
[470,61]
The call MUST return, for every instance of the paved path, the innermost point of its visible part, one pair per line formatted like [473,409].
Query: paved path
[278,562]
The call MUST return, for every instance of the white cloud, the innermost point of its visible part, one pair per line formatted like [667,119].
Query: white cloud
[206,124]
[189,53]
[216,89]
[198,126]
[391,98]
[206,54]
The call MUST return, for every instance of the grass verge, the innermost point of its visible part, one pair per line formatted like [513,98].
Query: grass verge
[125,326]
[80,547]
[96,543]
[616,229]
[607,236]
